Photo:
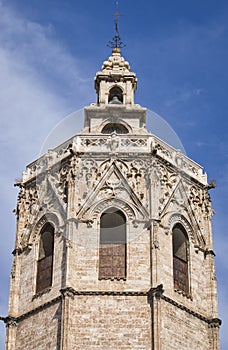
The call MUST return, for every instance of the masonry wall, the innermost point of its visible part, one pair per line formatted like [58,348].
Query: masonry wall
[27,277]
[40,331]
[83,261]
[181,330]
[110,322]
[200,277]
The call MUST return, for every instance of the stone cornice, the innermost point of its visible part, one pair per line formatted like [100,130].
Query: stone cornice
[13,321]
[69,292]
[134,144]
[212,322]
[72,292]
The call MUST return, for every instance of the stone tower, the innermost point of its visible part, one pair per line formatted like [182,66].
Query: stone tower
[114,244]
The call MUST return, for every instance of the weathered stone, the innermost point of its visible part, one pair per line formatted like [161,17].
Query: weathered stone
[155,187]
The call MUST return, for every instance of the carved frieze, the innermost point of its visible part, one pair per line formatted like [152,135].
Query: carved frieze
[99,141]
[168,181]
[27,201]
[200,201]
[135,142]
[112,179]
[191,227]
[102,206]
[48,194]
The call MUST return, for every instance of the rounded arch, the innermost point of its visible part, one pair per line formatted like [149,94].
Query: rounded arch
[180,242]
[124,127]
[114,121]
[46,240]
[114,127]
[193,231]
[112,247]
[115,92]
[51,218]
[104,205]
[179,219]
[113,226]
[45,259]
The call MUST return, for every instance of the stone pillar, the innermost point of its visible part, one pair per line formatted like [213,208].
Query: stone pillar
[154,299]
[214,333]
[67,295]
[15,283]
[11,330]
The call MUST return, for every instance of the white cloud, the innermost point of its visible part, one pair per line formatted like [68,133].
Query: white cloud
[183,95]
[35,72]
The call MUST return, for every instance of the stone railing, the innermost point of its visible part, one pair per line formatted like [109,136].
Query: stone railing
[117,144]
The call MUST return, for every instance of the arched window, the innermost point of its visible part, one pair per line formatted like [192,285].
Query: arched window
[114,127]
[45,259]
[112,251]
[180,258]
[115,93]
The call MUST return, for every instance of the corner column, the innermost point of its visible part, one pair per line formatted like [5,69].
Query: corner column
[11,331]
[67,296]
[214,326]
[154,299]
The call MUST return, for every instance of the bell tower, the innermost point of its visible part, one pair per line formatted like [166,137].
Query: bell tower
[115,83]
[114,245]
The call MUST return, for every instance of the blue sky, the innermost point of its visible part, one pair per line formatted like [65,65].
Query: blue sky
[49,53]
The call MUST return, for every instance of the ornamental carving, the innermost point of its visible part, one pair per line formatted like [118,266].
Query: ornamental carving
[192,230]
[53,188]
[163,150]
[113,142]
[104,205]
[137,142]
[178,218]
[114,179]
[59,181]
[27,201]
[137,177]
[168,181]
[88,171]
[48,194]
[99,141]
[200,201]
[48,217]
[27,208]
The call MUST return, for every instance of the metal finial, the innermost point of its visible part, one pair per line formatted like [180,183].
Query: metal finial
[116,41]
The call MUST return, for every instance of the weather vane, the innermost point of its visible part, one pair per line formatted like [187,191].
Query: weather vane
[116,41]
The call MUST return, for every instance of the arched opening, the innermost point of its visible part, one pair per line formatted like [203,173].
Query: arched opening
[115,94]
[45,259]
[112,251]
[114,127]
[180,258]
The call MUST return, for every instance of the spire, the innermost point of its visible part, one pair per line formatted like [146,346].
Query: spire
[116,42]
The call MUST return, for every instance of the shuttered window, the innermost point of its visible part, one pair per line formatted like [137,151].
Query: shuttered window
[180,259]
[45,260]
[112,250]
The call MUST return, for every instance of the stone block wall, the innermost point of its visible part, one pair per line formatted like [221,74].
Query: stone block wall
[40,331]
[110,322]
[181,330]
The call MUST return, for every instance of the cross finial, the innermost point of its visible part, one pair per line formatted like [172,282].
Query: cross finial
[116,41]
[117,15]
